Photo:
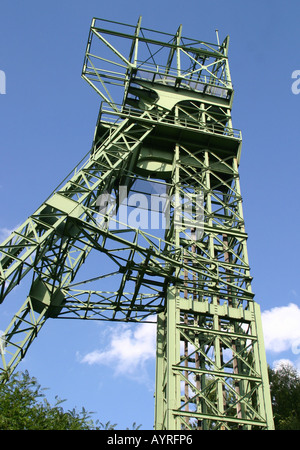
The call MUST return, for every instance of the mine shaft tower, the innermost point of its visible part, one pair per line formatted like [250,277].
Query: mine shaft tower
[164,130]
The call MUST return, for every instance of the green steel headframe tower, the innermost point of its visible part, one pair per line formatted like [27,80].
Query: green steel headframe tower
[164,140]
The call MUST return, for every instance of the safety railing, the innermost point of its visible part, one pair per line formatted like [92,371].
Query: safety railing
[109,115]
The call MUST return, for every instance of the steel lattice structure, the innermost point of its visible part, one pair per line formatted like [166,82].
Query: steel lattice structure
[164,126]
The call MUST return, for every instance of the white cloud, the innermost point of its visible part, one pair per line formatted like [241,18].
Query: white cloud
[281,328]
[287,362]
[128,350]
[282,362]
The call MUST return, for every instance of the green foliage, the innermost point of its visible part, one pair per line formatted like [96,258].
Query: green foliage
[107,426]
[134,427]
[285,393]
[23,406]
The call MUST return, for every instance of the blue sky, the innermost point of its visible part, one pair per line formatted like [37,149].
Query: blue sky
[48,116]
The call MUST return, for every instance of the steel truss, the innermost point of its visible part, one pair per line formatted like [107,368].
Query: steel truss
[170,127]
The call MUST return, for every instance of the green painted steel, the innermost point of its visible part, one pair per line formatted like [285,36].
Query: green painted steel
[164,126]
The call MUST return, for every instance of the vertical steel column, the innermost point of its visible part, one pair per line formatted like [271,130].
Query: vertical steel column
[215,323]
